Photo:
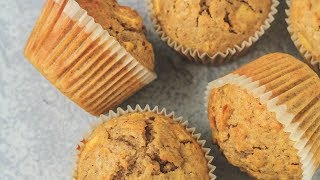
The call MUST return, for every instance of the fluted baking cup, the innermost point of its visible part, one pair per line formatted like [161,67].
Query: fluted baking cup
[312,60]
[157,110]
[220,57]
[290,89]
[82,60]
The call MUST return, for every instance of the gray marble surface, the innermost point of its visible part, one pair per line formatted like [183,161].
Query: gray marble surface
[39,127]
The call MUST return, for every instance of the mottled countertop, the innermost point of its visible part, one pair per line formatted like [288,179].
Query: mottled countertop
[39,127]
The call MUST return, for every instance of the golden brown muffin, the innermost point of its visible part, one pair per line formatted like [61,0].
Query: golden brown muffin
[97,65]
[304,25]
[250,136]
[265,114]
[144,146]
[305,20]
[124,24]
[210,26]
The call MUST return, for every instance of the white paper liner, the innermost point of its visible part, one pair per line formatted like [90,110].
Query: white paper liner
[157,110]
[59,65]
[219,57]
[310,59]
[285,118]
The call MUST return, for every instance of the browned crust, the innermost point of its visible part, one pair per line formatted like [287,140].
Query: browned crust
[125,25]
[210,26]
[141,145]
[293,84]
[304,18]
[250,137]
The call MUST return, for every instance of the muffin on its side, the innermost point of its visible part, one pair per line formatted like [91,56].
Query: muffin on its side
[124,24]
[265,117]
[250,136]
[94,52]
[211,27]
[304,28]
[143,145]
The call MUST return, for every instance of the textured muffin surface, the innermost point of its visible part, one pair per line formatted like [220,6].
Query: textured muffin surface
[210,26]
[305,20]
[250,136]
[141,145]
[125,25]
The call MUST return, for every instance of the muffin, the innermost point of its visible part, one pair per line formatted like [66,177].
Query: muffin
[265,117]
[142,144]
[94,52]
[304,28]
[211,31]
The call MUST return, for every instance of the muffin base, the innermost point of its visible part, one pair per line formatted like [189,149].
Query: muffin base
[82,60]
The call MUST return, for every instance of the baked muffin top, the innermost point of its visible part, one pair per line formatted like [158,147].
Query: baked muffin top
[210,26]
[125,25]
[141,145]
[250,136]
[305,20]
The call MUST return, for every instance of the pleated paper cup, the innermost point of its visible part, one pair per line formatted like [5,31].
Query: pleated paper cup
[120,112]
[312,60]
[82,60]
[197,56]
[290,89]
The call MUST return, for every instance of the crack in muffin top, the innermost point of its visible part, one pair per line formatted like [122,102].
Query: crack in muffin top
[141,145]
[210,26]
